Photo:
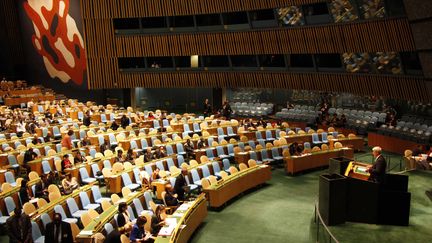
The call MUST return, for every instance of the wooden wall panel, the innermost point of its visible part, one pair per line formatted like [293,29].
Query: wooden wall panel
[146,8]
[402,87]
[373,36]
[11,40]
[104,48]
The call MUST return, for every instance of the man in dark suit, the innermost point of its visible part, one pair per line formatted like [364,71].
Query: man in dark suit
[378,169]
[226,110]
[58,231]
[207,108]
[180,183]
[19,227]
[87,119]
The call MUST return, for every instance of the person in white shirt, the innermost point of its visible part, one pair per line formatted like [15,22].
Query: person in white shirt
[20,128]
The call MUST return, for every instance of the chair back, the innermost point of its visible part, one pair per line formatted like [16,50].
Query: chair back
[233,170]
[243,166]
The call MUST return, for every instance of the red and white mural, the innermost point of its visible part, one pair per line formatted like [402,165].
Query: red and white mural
[57,39]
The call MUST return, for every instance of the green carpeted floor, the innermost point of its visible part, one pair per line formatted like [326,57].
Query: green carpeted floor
[283,211]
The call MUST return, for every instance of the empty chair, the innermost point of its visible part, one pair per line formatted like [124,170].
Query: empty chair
[221,153]
[101,139]
[185,135]
[107,164]
[92,152]
[56,132]
[315,139]
[128,183]
[216,168]
[169,149]
[156,124]
[160,165]
[165,123]
[226,165]
[210,140]
[10,204]
[180,159]
[269,136]
[180,149]
[230,132]
[59,209]
[230,148]
[276,155]
[103,118]
[9,178]
[220,132]
[134,146]
[36,233]
[131,214]
[196,127]
[277,133]
[73,208]
[97,196]
[252,144]
[80,115]
[195,177]
[259,136]
[324,137]
[136,173]
[170,162]
[85,201]
[148,198]
[186,128]
[85,178]
[138,206]
[205,171]
[148,169]
[46,168]
[265,157]
[112,139]
[144,144]
[254,156]
[209,153]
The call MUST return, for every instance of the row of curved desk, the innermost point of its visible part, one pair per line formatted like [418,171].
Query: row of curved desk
[296,164]
[242,181]
[180,225]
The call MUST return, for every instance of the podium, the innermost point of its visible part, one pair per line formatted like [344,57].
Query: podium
[352,197]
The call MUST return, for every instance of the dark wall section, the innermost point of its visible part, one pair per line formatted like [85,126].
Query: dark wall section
[173,99]
[11,54]
[420,15]
[418,9]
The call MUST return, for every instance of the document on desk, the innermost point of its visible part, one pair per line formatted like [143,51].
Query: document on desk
[86,232]
[183,207]
[178,214]
[167,230]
